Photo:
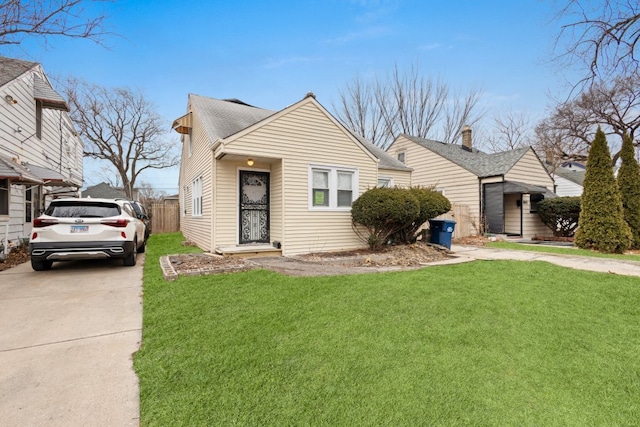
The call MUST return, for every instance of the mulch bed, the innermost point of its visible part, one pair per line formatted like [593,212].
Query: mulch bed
[17,256]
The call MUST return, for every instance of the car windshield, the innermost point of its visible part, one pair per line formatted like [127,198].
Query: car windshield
[82,210]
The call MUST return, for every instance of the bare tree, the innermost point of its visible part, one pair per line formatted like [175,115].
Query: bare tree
[614,107]
[406,102]
[601,35]
[149,195]
[511,129]
[121,127]
[357,110]
[46,18]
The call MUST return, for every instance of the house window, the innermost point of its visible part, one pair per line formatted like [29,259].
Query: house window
[28,205]
[401,156]
[39,119]
[4,196]
[385,182]
[320,187]
[332,187]
[534,199]
[190,137]
[196,197]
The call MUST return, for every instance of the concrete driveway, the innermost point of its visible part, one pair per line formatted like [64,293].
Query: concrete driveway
[66,342]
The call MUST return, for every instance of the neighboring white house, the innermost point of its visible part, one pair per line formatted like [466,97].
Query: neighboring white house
[569,181]
[40,151]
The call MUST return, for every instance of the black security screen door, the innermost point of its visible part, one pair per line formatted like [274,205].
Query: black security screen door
[254,207]
[494,207]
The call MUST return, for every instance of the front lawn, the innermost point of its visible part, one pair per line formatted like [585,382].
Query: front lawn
[482,343]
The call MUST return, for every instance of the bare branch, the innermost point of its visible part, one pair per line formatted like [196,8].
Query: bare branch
[121,127]
[45,19]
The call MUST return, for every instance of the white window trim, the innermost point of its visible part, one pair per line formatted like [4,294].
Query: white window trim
[196,196]
[8,190]
[391,183]
[333,187]
[404,153]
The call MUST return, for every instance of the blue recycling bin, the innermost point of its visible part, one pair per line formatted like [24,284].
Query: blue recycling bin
[441,231]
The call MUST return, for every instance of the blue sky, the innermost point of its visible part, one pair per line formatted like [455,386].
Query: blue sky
[271,53]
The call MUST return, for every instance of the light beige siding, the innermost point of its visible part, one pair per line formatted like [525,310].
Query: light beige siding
[430,169]
[400,178]
[302,136]
[197,228]
[529,169]
[512,213]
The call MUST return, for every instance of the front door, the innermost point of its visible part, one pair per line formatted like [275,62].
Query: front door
[254,207]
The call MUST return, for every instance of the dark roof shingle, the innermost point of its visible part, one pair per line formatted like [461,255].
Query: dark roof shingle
[475,161]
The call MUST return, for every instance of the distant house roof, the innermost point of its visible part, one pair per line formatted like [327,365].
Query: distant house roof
[575,175]
[475,161]
[104,191]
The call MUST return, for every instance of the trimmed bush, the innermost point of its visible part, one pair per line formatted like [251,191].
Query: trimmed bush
[383,212]
[560,214]
[432,204]
[629,185]
[601,226]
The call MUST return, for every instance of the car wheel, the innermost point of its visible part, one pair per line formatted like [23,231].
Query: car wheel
[142,247]
[41,265]
[130,260]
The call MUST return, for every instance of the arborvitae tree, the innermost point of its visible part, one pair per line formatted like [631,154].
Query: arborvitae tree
[629,185]
[601,226]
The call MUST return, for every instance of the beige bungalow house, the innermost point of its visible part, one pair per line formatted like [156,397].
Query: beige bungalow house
[501,190]
[274,182]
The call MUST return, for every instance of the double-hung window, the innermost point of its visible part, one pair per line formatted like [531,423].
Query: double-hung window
[332,187]
[196,197]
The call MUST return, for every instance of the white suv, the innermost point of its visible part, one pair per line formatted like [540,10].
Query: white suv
[86,229]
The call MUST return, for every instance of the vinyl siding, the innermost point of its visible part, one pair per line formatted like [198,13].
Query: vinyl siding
[511,214]
[564,187]
[302,136]
[400,178]
[59,149]
[197,229]
[430,169]
[529,169]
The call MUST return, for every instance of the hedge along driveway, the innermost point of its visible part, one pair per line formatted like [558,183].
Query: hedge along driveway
[483,343]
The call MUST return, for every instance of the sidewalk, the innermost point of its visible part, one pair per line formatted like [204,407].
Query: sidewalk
[601,265]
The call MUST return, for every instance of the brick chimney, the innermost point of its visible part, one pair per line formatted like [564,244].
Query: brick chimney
[466,138]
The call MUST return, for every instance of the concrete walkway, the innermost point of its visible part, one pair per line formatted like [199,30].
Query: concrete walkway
[66,342]
[601,265]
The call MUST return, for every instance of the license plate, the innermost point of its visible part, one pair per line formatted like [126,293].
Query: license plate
[79,228]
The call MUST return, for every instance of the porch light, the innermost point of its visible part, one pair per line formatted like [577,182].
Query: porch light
[250,162]
[10,99]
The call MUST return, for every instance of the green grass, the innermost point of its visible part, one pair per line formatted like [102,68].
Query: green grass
[560,250]
[482,343]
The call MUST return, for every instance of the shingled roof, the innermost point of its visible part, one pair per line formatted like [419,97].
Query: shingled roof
[225,117]
[10,69]
[574,175]
[475,161]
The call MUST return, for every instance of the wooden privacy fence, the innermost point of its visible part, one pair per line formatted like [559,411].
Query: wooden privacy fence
[165,218]
[460,214]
